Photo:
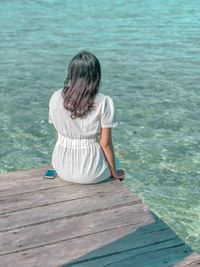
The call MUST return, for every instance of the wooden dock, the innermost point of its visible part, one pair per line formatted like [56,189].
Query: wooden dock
[51,223]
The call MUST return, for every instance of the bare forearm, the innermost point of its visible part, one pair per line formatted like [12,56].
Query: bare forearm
[108,151]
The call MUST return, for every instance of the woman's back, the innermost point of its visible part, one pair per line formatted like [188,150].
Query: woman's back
[86,127]
[81,114]
[77,155]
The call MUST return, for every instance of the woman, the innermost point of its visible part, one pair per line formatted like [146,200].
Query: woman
[83,118]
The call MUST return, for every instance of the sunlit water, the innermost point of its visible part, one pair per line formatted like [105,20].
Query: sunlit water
[150,55]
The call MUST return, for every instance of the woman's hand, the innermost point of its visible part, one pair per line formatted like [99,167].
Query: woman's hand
[119,174]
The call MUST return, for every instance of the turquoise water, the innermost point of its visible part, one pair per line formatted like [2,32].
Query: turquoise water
[150,55]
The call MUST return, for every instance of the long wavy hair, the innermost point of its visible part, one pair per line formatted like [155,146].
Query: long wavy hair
[82,84]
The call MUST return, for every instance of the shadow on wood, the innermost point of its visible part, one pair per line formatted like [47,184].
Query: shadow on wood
[152,245]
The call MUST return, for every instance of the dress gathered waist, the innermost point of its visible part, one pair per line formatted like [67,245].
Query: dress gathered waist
[76,143]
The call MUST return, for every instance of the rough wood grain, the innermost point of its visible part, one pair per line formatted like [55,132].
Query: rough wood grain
[54,223]
[191,261]
[48,196]
[55,230]
[68,208]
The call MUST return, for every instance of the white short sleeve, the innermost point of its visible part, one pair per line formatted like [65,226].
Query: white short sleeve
[108,117]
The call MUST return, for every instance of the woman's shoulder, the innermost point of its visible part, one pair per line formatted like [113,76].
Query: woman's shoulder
[56,92]
[107,111]
[101,98]
[55,95]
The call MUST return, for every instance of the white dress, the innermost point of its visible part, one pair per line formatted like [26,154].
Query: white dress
[77,156]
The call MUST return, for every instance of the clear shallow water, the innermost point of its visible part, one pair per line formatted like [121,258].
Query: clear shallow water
[150,55]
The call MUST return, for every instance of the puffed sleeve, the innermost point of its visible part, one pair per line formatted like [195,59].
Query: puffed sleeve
[108,116]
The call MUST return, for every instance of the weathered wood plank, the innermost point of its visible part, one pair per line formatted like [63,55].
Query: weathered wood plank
[151,245]
[164,253]
[56,230]
[191,261]
[61,252]
[68,208]
[136,242]
[31,186]
[161,255]
[55,223]
[86,243]
[55,195]
[27,181]
[27,174]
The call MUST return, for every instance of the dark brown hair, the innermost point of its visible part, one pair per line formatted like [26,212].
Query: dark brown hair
[81,84]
